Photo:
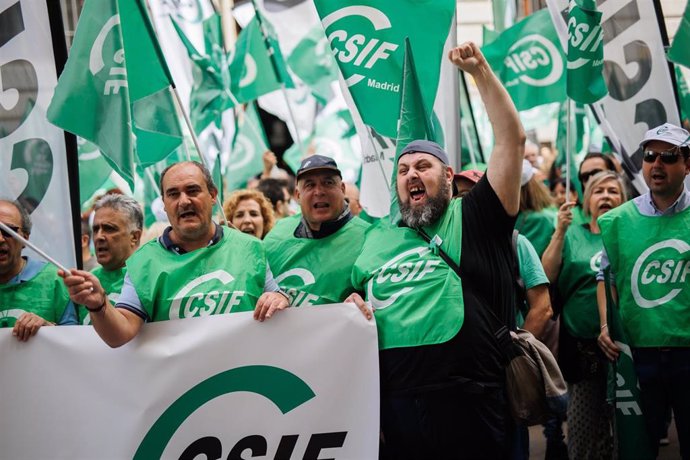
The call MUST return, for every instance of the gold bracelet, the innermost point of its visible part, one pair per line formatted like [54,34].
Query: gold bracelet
[604,326]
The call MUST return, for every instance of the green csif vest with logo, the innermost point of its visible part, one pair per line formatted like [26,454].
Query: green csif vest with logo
[226,277]
[112,281]
[577,282]
[650,257]
[416,296]
[44,295]
[314,271]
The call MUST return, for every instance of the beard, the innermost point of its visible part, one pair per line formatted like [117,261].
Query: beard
[431,211]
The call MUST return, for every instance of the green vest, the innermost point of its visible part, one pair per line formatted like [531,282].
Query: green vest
[314,271]
[228,276]
[417,297]
[537,227]
[650,257]
[112,281]
[577,282]
[45,295]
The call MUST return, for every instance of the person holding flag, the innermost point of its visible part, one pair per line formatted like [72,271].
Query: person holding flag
[196,268]
[442,369]
[651,292]
[31,294]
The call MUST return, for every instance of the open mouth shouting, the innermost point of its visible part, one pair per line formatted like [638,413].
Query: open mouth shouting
[248,229]
[187,214]
[417,193]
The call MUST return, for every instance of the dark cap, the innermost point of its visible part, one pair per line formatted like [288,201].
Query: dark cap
[316,162]
[423,146]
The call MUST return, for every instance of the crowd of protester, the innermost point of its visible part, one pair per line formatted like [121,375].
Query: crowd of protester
[524,251]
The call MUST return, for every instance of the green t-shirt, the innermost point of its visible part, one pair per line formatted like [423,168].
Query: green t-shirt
[44,295]
[417,297]
[537,227]
[531,272]
[112,281]
[650,257]
[226,277]
[577,284]
[314,271]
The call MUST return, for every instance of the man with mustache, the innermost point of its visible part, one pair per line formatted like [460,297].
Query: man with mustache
[117,226]
[196,268]
[31,294]
[321,245]
[645,243]
[442,368]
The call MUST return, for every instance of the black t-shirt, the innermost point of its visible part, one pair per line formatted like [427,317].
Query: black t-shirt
[488,280]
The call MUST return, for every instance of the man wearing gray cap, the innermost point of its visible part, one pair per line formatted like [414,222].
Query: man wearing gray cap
[647,246]
[312,254]
[441,366]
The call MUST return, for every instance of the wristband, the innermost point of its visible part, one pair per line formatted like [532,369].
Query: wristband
[100,307]
[604,326]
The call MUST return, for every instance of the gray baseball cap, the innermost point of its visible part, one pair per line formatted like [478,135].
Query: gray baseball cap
[424,146]
[667,133]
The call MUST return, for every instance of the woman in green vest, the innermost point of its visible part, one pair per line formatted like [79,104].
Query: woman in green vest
[571,262]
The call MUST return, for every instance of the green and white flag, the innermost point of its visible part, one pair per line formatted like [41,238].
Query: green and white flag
[579,137]
[313,63]
[680,49]
[633,441]
[254,71]
[94,170]
[683,95]
[585,82]
[529,60]
[115,88]
[414,122]
[248,146]
[210,95]
[367,42]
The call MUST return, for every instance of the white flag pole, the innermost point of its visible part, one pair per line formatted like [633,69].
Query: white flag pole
[33,247]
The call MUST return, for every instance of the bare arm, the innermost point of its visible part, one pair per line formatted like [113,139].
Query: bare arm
[505,163]
[540,310]
[607,345]
[552,259]
[115,326]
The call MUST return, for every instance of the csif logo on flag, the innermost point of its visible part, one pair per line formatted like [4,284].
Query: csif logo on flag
[404,269]
[660,272]
[299,298]
[107,51]
[205,295]
[584,40]
[255,389]
[533,60]
[355,44]
[595,262]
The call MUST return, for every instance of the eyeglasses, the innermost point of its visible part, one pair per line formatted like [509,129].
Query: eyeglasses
[668,157]
[584,177]
[6,234]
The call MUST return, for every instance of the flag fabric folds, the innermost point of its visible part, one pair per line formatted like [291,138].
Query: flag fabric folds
[115,88]
[585,82]
[529,60]
[248,146]
[680,51]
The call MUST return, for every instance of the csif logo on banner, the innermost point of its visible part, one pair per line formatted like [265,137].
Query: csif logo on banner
[211,298]
[398,271]
[660,272]
[107,43]
[358,51]
[282,389]
[533,60]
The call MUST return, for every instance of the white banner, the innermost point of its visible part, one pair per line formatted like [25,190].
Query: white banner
[33,160]
[302,385]
[637,75]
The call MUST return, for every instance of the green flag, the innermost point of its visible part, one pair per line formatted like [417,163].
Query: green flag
[210,95]
[529,61]
[414,122]
[313,63]
[684,96]
[585,82]
[680,51]
[624,392]
[254,71]
[115,88]
[94,170]
[579,138]
[367,41]
[248,146]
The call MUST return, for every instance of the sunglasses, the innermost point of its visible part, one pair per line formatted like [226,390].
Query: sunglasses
[668,157]
[584,177]
[5,234]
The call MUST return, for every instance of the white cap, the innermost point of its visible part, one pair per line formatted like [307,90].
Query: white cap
[527,172]
[667,133]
